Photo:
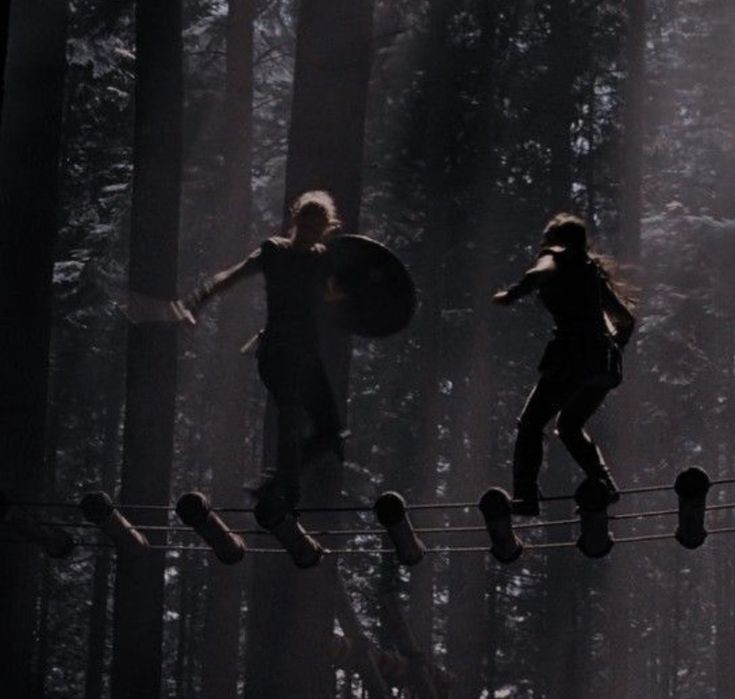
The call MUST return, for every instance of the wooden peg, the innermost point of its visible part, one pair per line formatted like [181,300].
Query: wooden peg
[595,540]
[272,513]
[691,486]
[390,509]
[496,509]
[195,511]
[98,508]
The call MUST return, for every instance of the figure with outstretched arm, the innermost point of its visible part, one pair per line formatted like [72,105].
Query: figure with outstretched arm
[297,281]
[582,362]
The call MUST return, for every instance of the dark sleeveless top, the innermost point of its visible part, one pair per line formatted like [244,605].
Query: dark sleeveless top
[294,281]
[582,349]
[573,295]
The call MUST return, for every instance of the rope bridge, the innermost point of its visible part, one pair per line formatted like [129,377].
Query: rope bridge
[21,521]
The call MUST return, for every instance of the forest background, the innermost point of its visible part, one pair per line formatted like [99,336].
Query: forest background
[146,147]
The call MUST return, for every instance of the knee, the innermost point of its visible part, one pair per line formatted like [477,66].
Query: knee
[292,423]
[528,426]
[568,430]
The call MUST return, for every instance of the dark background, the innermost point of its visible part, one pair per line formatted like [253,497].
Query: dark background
[146,147]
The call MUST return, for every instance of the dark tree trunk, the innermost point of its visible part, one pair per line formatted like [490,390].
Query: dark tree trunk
[4,16]
[222,625]
[292,617]
[473,451]
[440,150]
[29,202]
[151,368]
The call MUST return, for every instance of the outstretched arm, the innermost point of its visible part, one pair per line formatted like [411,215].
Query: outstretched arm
[544,268]
[185,308]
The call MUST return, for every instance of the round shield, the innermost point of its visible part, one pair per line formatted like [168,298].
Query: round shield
[380,297]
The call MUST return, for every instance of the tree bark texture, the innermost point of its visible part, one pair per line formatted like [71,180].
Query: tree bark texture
[232,373]
[4,16]
[29,201]
[292,617]
[151,361]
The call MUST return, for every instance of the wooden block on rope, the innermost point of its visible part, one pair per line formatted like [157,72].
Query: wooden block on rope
[592,497]
[390,509]
[195,511]
[496,509]
[274,514]
[99,509]
[692,486]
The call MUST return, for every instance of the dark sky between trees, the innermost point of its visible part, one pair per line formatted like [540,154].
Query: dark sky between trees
[130,161]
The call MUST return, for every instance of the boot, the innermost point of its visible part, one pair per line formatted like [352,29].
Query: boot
[526,501]
[613,492]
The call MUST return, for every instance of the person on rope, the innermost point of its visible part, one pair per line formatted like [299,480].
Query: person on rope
[289,363]
[582,362]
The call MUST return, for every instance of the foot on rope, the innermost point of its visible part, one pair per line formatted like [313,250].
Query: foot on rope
[613,492]
[525,502]
[278,516]
[271,485]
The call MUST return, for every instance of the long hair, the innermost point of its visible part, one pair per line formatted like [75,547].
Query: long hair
[570,231]
[317,199]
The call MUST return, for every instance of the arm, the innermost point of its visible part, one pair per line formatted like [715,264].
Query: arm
[184,308]
[533,278]
[617,314]
[333,292]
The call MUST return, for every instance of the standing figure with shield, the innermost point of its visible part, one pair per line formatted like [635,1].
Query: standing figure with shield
[304,268]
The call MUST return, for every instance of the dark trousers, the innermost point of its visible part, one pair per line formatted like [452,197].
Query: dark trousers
[306,409]
[574,401]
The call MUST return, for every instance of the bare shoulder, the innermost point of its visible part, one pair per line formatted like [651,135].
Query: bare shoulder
[277,242]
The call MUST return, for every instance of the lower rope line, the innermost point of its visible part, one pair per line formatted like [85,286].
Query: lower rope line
[35,503]
[365,551]
[379,532]
[354,508]
[442,506]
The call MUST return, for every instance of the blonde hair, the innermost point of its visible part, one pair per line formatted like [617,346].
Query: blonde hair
[321,199]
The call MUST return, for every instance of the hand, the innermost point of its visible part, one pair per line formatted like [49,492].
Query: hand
[621,337]
[334,292]
[502,298]
[182,313]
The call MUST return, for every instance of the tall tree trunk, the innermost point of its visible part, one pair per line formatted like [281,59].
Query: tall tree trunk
[222,625]
[440,149]
[4,16]
[478,266]
[29,202]
[292,617]
[151,367]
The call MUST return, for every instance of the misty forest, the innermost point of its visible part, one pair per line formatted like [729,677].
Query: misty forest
[145,146]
